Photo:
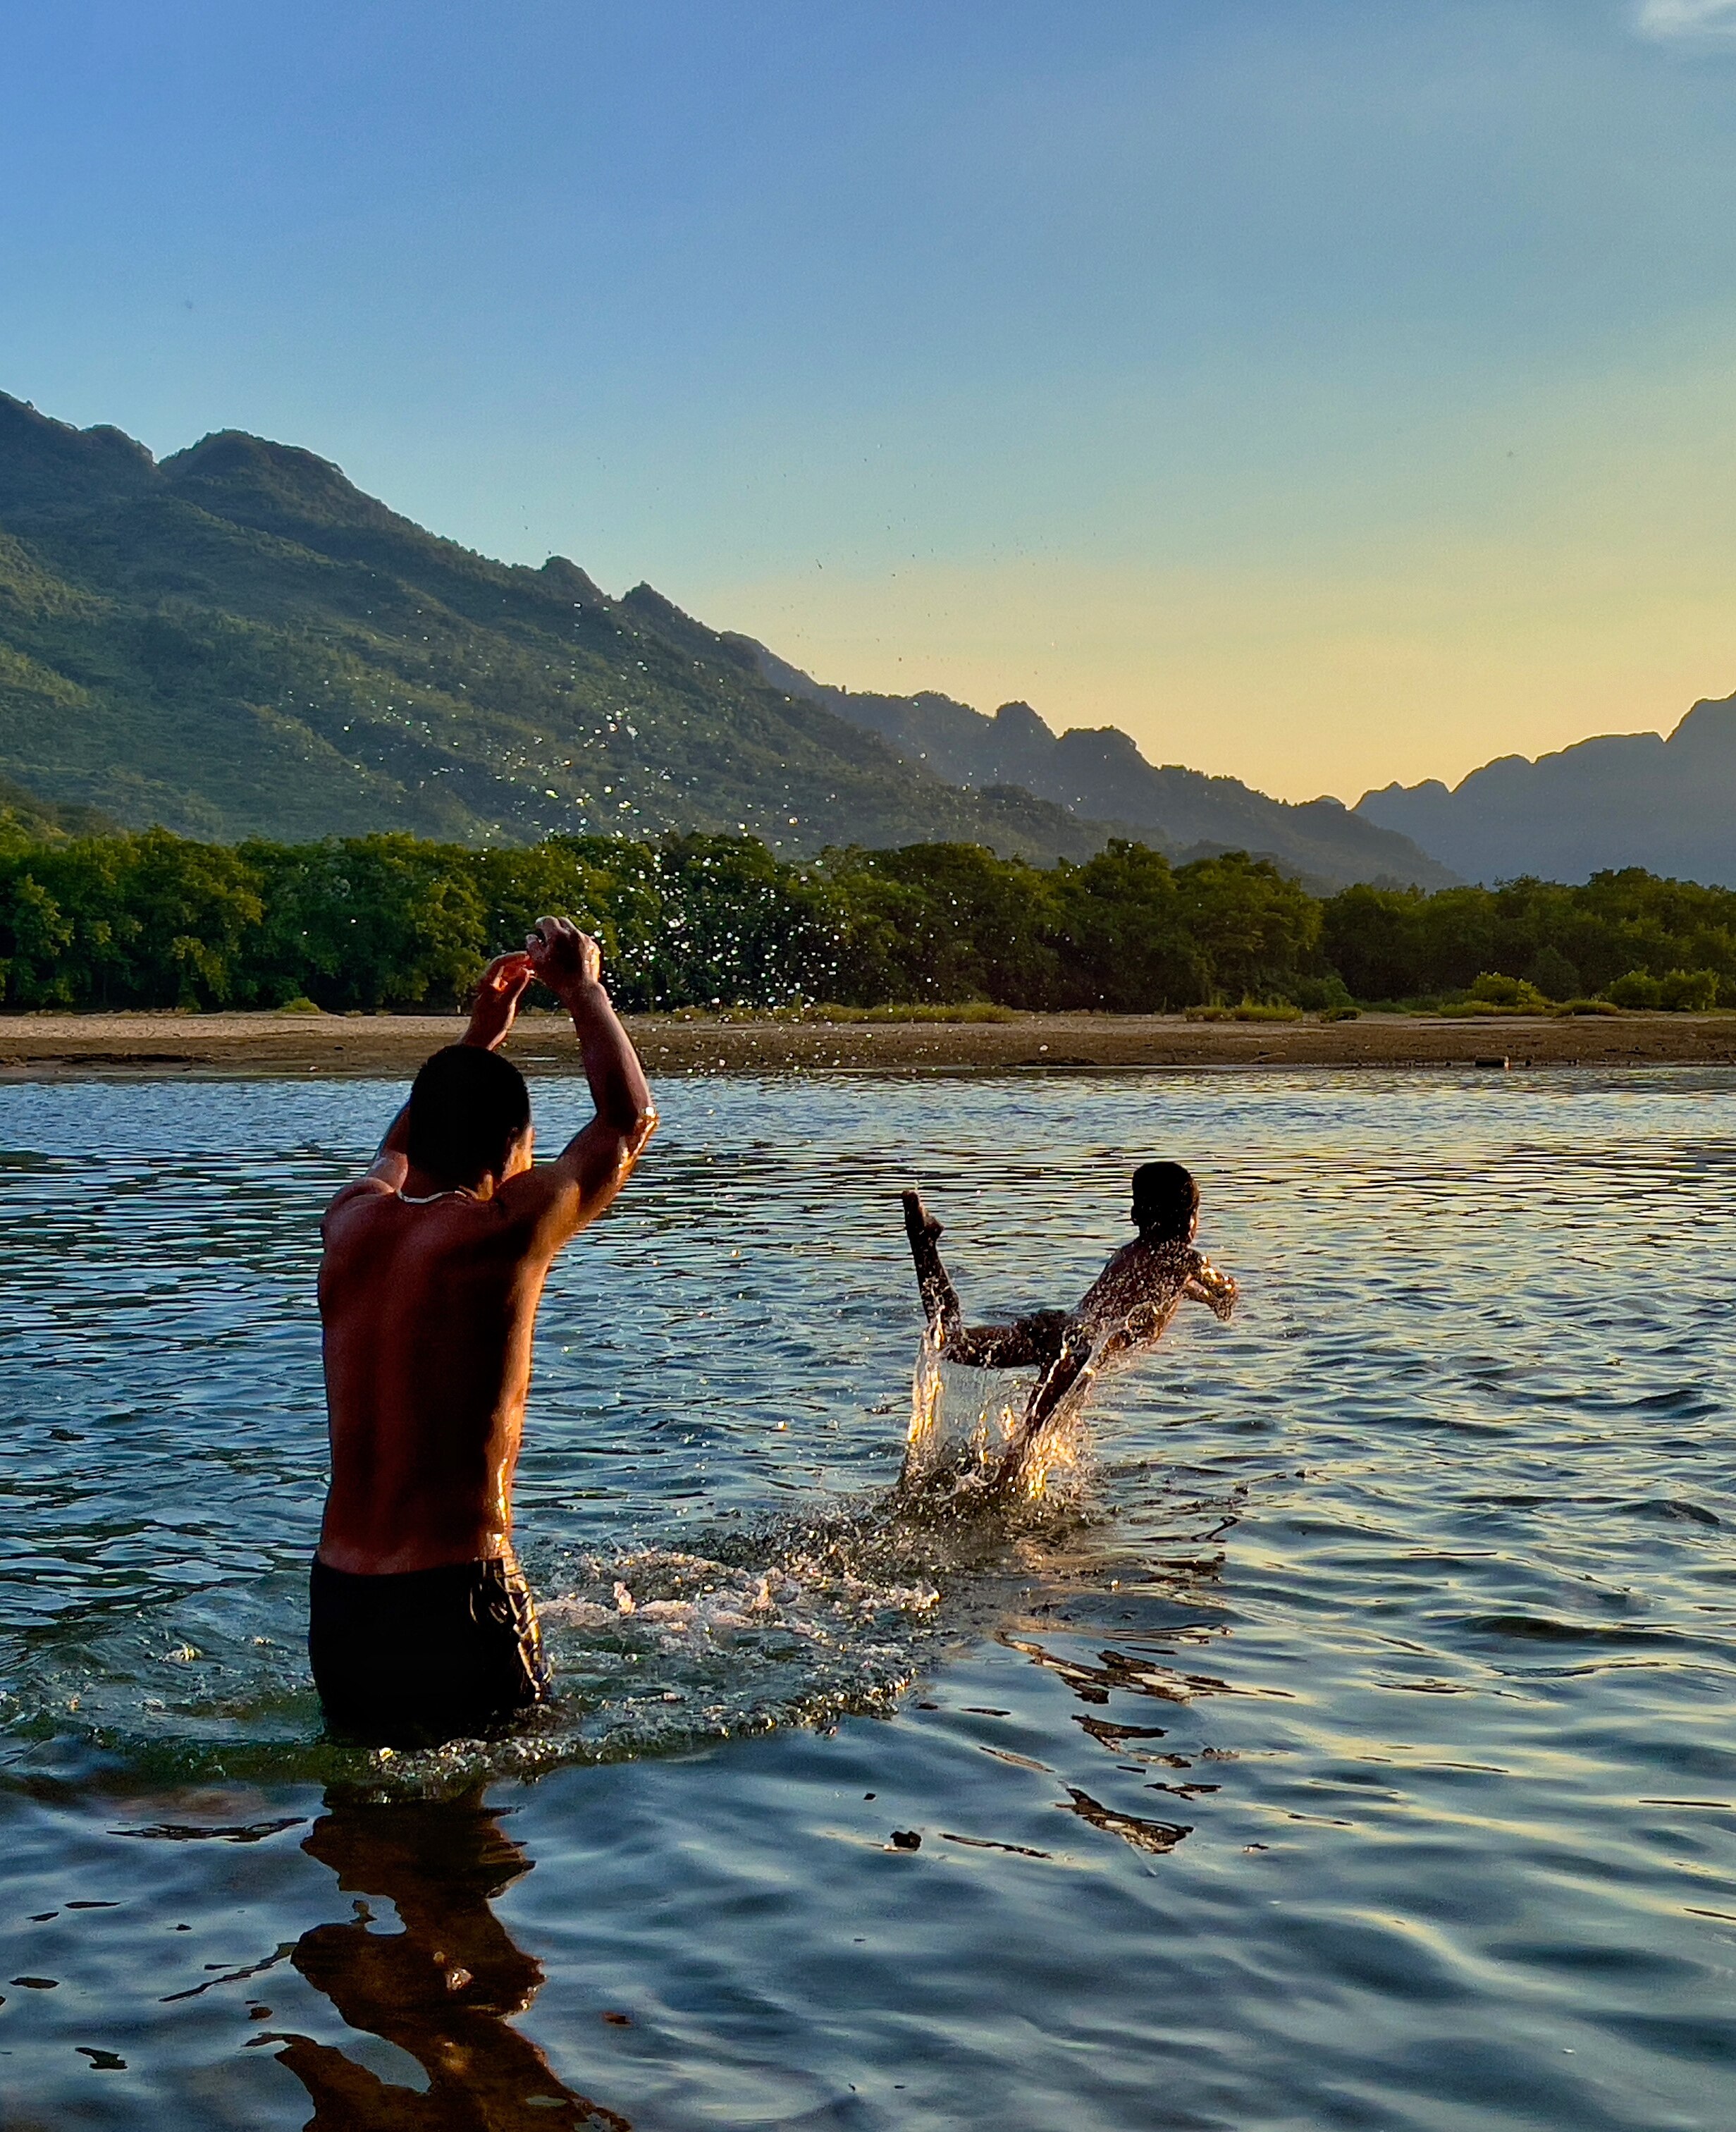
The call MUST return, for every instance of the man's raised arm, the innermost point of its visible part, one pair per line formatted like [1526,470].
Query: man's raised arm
[594,1165]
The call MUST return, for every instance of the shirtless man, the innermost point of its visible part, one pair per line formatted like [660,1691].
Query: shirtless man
[1127,1307]
[422,1627]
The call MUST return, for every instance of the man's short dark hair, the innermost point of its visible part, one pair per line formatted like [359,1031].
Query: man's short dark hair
[467,1107]
[1166,1199]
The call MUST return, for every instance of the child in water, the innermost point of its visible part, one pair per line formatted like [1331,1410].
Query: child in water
[1127,1309]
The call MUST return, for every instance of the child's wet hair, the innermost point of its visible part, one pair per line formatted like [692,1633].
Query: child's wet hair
[1166,1199]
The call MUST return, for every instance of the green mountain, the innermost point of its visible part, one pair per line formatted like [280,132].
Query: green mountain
[38,821]
[238,641]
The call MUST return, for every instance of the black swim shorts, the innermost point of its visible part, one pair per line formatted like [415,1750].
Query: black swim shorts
[425,1654]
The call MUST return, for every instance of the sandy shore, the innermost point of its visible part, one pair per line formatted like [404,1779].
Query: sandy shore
[41,1047]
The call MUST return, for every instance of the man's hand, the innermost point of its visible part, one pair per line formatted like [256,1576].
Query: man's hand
[502,985]
[564,1195]
[569,962]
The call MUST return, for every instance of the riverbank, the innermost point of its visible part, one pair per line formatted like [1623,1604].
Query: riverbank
[47,1046]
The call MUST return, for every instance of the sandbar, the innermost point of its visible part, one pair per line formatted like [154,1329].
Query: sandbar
[36,1047]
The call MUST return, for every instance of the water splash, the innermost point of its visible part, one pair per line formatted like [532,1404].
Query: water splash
[655,1649]
[961,1423]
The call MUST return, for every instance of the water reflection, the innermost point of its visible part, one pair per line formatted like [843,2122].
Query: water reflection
[444,1989]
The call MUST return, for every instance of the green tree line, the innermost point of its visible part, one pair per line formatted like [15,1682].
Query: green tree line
[394,922]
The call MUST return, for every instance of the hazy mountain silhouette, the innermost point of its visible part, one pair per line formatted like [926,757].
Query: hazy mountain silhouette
[1621,799]
[1100,773]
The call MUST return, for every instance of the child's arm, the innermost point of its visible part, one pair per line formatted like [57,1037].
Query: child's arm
[1206,1284]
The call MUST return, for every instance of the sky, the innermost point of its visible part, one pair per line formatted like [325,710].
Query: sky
[1326,391]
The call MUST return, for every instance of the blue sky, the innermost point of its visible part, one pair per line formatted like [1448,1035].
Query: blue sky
[1327,390]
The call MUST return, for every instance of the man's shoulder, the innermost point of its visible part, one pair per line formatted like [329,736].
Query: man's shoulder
[534,1194]
[357,1201]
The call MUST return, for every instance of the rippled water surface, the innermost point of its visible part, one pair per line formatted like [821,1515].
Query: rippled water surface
[1348,1744]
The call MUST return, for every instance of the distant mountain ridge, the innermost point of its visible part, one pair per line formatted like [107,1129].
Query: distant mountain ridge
[236,641]
[1100,773]
[1619,799]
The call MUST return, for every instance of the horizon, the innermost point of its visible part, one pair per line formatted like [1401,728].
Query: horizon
[1327,400]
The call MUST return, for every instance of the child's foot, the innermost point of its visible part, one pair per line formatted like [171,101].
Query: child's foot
[919,1222]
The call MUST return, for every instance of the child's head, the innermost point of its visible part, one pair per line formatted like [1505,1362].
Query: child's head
[1165,1203]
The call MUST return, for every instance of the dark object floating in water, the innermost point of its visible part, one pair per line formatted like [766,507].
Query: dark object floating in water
[42,1917]
[249,1832]
[869,1795]
[38,1983]
[1495,1065]
[976,1710]
[1144,1834]
[100,2061]
[987,1843]
[619,2020]
[903,1839]
[105,1906]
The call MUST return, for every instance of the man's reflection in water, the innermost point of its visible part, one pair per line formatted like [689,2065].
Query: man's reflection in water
[443,1989]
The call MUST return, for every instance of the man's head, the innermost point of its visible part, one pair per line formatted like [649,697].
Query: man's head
[469,1116]
[1165,1203]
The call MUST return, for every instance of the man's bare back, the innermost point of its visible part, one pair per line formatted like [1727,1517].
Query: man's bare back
[433,1268]
[1127,1309]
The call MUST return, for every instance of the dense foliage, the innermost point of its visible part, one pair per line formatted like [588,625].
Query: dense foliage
[395,921]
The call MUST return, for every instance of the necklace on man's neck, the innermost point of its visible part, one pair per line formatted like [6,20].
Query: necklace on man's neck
[427,1198]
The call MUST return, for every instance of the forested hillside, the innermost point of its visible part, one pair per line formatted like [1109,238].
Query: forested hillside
[238,641]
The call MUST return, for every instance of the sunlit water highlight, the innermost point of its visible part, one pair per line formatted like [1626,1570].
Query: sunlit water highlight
[1343,1739]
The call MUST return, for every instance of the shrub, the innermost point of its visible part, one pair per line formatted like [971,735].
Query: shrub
[1590,1007]
[1690,991]
[1639,988]
[1249,1010]
[965,1010]
[1321,994]
[1516,995]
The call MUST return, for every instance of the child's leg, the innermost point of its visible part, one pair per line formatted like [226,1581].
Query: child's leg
[941,1306]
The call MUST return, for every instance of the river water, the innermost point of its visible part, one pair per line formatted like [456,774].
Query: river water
[1346,1741]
